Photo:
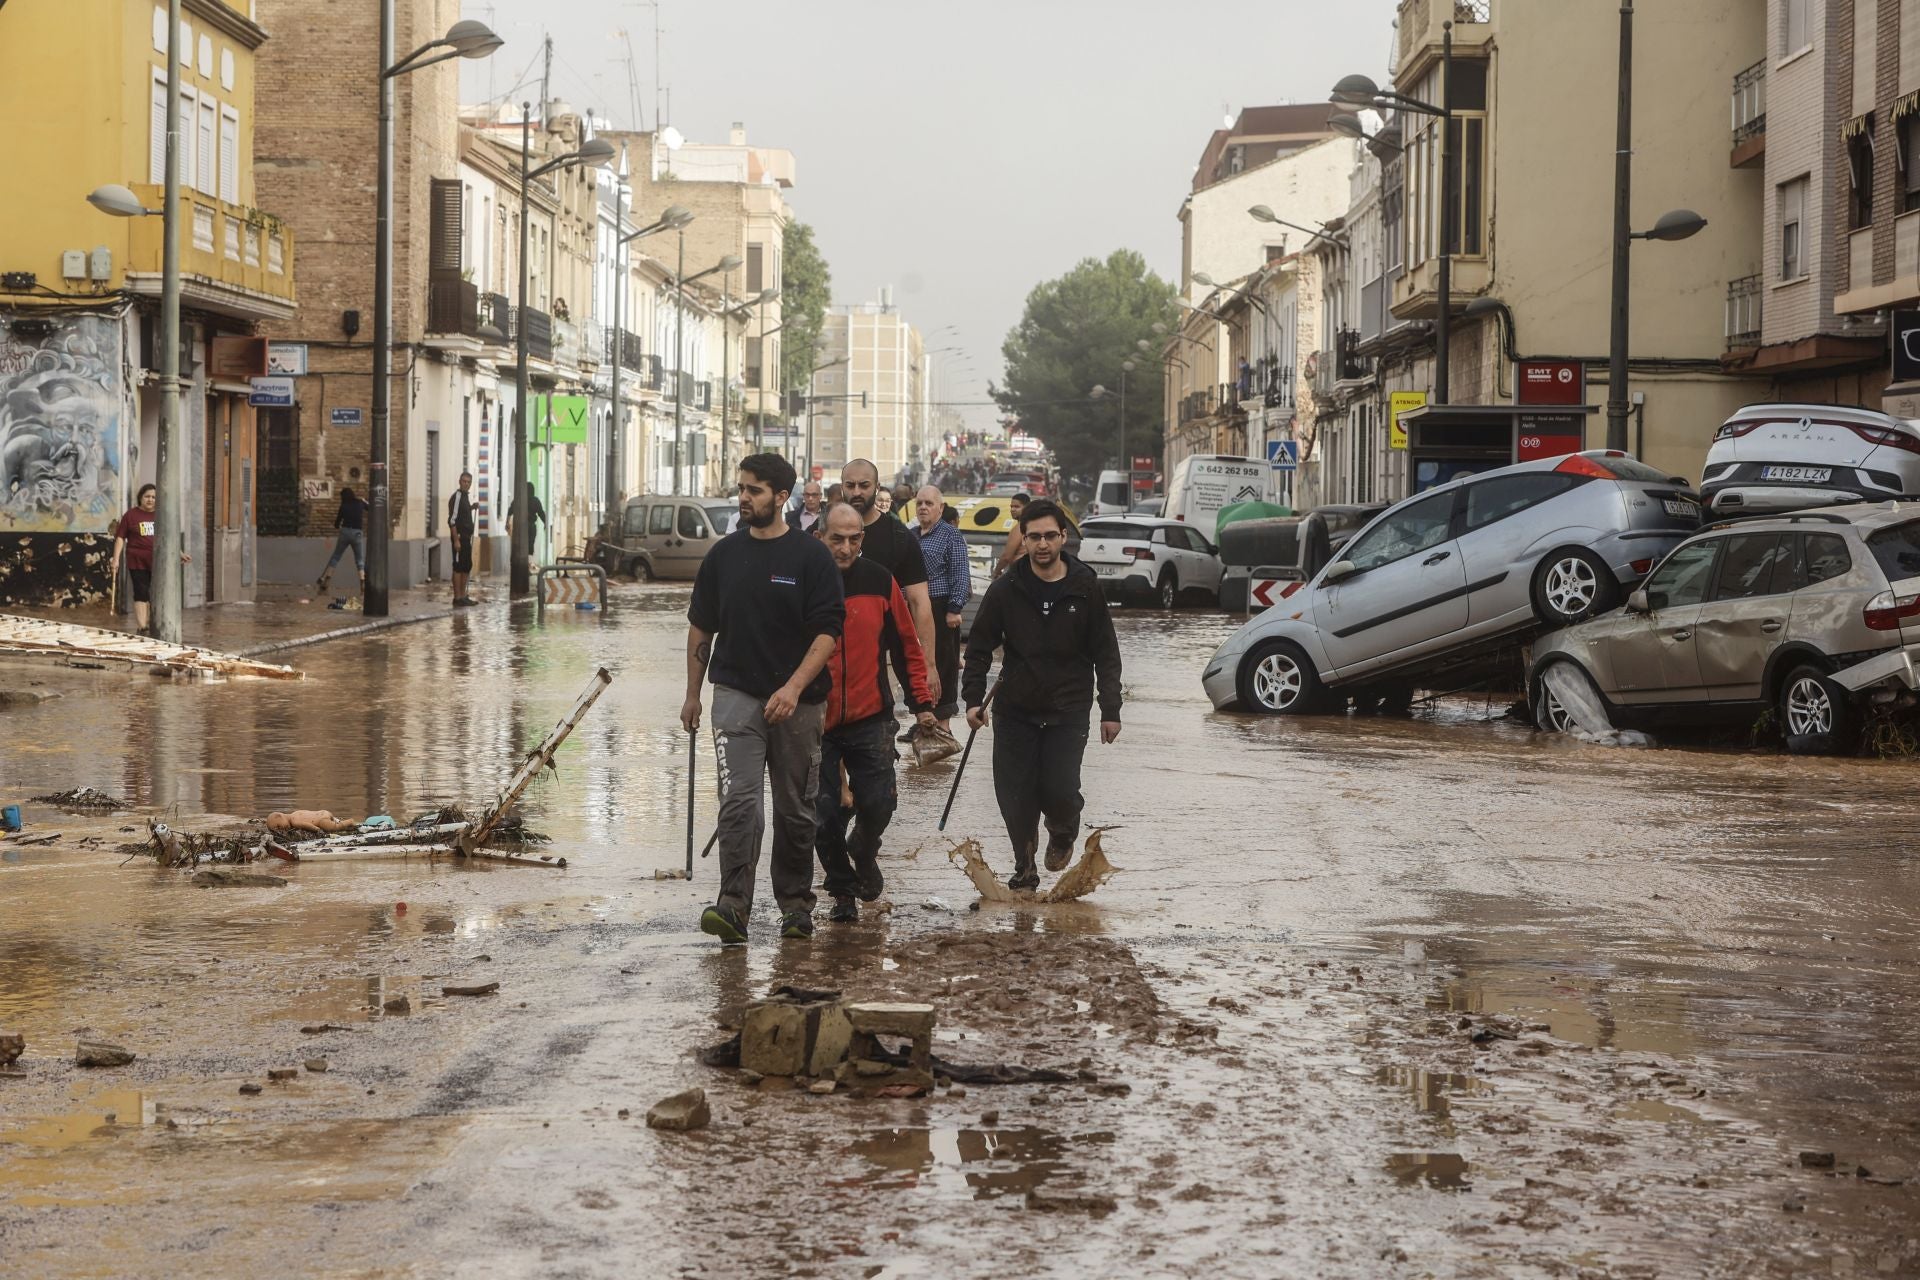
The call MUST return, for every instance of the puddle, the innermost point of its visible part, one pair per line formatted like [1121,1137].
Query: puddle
[1432,1091]
[983,1164]
[100,1116]
[1658,1112]
[1441,1170]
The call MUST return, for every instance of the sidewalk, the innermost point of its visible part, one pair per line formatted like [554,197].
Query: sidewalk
[286,617]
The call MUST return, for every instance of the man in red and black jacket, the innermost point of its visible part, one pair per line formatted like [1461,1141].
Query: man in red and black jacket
[859,723]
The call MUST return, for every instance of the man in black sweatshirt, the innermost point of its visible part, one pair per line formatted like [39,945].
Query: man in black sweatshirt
[1049,614]
[767,612]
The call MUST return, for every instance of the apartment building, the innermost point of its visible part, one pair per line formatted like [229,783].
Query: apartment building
[869,395]
[83,84]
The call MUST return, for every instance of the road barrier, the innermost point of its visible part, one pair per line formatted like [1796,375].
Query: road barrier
[575,582]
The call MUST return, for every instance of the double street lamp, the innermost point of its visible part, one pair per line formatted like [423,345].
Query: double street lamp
[1100,392]
[675,218]
[681,383]
[464,39]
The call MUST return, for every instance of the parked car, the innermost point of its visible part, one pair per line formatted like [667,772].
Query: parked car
[1109,495]
[1448,576]
[1148,507]
[1011,482]
[1151,560]
[1750,618]
[1203,483]
[984,523]
[1787,457]
[663,537]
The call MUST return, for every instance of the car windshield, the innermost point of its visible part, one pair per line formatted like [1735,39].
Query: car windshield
[1898,551]
[1114,493]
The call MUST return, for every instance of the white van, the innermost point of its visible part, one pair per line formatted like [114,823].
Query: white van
[1109,496]
[1206,482]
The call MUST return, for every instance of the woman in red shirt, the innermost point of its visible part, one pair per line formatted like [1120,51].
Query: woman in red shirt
[133,537]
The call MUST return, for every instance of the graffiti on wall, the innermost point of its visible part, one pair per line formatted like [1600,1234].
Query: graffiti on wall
[62,415]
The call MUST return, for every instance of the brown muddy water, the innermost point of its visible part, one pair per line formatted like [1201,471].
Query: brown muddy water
[1369,997]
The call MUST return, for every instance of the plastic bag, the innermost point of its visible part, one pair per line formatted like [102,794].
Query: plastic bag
[935,743]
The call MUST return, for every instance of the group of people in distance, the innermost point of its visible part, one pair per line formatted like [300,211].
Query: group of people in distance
[795,631]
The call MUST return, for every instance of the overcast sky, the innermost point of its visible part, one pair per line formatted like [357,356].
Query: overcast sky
[961,153]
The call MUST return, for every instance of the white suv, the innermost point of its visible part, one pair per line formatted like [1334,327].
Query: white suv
[1149,559]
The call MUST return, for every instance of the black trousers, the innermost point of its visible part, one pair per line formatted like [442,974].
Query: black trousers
[851,861]
[946,664]
[1036,773]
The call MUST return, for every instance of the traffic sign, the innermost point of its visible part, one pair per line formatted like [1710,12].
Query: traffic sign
[1284,455]
[1265,592]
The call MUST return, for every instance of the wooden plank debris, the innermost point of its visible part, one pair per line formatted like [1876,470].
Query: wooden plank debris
[541,757]
[66,641]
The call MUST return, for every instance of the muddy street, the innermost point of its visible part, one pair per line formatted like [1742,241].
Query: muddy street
[1369,996]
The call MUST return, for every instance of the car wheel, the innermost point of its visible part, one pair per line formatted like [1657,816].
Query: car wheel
[1571,586]
[1815,714]
[1168,592]
[1278,679]
[1550,715]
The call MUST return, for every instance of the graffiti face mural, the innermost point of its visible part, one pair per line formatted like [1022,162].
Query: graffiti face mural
[61,410]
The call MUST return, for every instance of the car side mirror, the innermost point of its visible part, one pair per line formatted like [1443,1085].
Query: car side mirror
[1341,569]
[1637,602]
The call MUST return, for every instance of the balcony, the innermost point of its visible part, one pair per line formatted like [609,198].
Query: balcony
[453,307]
[539,333]
[1421,28]
[623,346]
[1349,364]
[1321,367]
[1749,115]
[233,260]
[1743,312]
[570,345]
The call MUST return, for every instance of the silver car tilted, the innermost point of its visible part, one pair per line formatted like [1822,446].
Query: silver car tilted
[1747,618]
[1455,573]
[1788,457]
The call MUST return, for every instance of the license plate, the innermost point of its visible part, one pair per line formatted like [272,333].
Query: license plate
[1797,475]
[1108,570]
[1681,507]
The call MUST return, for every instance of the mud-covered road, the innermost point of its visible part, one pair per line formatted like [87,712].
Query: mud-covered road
[1370,997]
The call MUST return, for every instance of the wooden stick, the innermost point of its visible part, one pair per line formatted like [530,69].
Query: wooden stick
[539,758]
[954,790]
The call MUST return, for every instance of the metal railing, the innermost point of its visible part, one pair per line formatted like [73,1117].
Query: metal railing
[1750,103]
[622,345]
[1743,311]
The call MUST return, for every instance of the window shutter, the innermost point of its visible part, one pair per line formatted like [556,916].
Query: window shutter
[443,247]
[756,268]
[157,128]
[208,147]
[229,157]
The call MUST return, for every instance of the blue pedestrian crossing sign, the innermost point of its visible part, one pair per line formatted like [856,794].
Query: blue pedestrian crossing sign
[1283,455]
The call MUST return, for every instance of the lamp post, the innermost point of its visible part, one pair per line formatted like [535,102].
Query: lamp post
[680,282]
[674,218]
[595,151]
[759,322]
[1099,392]
[1677,224]
[168,581]
[1357,92]
[464,39]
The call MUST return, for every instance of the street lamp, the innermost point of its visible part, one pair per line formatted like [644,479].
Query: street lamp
[1126,466]
[1677,224]
[673,218]
[760,320]
[728,310]
[680,282]
[1355,93]
[1201,277]
[464,39]
[1261,213]
[594,152]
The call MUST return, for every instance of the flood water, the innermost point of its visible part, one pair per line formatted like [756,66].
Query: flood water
[1640,984]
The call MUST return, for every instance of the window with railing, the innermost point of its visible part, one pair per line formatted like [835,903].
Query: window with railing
[1743,311]
[1750,103]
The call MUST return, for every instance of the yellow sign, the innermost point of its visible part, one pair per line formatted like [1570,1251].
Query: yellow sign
[1398,403]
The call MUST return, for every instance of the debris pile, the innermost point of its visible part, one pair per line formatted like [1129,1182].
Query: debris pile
[85,800]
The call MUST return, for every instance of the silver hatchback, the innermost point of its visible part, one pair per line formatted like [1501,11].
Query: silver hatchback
[1454,573]
[1744,619]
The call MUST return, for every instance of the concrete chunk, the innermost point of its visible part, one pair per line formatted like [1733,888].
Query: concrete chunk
[681,1112]
[880,1017]
[787,1037]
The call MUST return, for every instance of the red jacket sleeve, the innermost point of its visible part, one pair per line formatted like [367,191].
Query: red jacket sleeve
[920,696]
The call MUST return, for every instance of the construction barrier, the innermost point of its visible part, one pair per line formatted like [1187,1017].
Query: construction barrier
[576,582]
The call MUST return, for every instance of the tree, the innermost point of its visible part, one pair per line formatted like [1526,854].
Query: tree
[806,287]
[1074,334]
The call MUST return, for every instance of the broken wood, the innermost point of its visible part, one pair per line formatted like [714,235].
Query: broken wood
[483,989]
[66,641]
[540,757]
[45,837]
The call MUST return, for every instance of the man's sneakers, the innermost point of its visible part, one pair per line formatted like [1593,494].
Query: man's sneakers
[724,923]
[1059,852]
[867,876]
[797,925]
[845,911]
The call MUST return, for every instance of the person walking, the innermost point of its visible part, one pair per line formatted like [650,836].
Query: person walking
[460,526]
[766,614]
[949,586]
[351,523]
[533,534]
[133,542]
[1050,616]
[1015,547]
[897,550]
[858,732]
[806,516]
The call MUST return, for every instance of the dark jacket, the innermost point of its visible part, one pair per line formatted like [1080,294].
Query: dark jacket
[1051,663]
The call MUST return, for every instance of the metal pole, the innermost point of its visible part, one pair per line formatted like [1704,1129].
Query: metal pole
[1622,238]
[169,580]
[1126,463]
[1444,323]
[522,542]
[726,369]
[679,355]
[379,531]
[615,420]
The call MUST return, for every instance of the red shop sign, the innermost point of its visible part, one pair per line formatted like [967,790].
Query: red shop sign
[1551,382]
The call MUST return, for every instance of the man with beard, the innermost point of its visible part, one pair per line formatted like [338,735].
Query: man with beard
[859,723]
[767,611]
[1049,613]
[897,550]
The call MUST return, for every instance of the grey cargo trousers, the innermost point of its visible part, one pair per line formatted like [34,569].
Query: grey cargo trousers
[786,754]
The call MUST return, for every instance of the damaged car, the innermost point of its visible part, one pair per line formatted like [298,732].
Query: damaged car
[1808,620]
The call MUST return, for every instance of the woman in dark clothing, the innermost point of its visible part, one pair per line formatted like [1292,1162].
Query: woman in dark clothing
[351,521]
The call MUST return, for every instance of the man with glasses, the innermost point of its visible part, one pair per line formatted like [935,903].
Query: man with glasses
[1049,615]
[806,516]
